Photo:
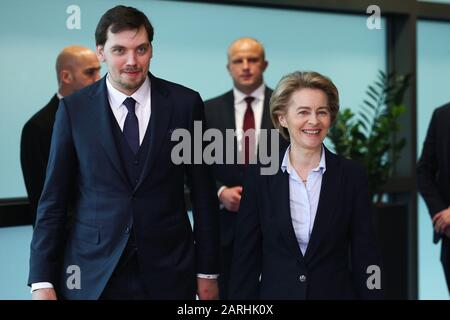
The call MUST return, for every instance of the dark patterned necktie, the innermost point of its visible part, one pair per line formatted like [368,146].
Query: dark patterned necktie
[131,125]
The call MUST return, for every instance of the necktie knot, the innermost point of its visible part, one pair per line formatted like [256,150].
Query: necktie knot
[249,100]
[130,103]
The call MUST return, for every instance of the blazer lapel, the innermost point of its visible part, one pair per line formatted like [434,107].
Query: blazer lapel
[329,193]
[229,120]
[159,123]
[279,193]
[102,110]
[266,122]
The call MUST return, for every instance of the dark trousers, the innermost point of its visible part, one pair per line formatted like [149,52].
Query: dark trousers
[445,259]
[226,254]
[447,276]
[126,282]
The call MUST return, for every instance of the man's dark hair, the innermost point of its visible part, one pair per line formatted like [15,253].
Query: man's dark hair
[121,18]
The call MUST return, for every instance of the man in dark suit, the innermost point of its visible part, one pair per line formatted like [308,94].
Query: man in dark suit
[131,237]
[76,68]
[433,180]
[247,102]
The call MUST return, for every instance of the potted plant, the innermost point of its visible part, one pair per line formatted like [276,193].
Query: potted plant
[369,136]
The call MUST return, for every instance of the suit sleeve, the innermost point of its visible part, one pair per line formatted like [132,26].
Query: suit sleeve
[247,252]
[48,237]
[209,115]
[427,169]
[34,163]
[365,256]
[204,203]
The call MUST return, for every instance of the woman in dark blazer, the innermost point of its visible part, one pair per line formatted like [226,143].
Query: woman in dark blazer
[305,232]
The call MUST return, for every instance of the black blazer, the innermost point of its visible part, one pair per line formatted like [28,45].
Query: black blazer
[34,150]
[219,113]
[341,247]
[83,154]
[433,174]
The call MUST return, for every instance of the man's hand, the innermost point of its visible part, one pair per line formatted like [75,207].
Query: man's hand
[231,198]
[207,289]
[44,294]
[441,222]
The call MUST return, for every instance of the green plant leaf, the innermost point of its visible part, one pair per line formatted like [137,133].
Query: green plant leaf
[369,136]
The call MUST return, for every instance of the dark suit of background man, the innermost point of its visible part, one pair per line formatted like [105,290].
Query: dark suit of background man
[246,65]
[131,237]
[433,178]
[76,68]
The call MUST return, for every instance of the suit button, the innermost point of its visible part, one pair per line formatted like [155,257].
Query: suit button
[127,230]
[302,278]
[136,162]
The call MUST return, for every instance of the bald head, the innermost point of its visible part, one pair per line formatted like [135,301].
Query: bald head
[246,43]
[246,64]
[76,67]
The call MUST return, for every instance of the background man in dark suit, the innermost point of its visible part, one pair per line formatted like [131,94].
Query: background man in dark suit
[248,102]
[76,68]
[433,180]
[131,237]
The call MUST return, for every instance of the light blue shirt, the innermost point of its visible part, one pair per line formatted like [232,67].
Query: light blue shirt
[303,198]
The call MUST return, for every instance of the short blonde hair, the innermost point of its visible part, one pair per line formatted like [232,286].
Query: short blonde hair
[299,80]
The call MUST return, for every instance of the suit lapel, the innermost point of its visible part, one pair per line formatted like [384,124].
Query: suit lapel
[266,122]
[279,193]
[329,193]
[102,110]
[229,120]
[159,123]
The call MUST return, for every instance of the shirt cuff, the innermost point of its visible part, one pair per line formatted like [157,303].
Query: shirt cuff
[207,276]
[220,191]
[41,285]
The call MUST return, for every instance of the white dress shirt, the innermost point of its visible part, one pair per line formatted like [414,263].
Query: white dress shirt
[303,198]
[142,109]
[240,106]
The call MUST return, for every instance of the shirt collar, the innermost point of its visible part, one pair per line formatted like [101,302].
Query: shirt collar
[117,98]
[59,95]
[258,94]
[286,163]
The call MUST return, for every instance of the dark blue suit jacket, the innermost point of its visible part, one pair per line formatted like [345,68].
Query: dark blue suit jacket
[338,254]
[84,154]
[433,174]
